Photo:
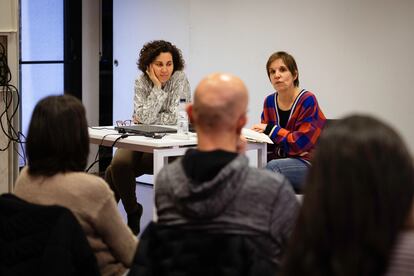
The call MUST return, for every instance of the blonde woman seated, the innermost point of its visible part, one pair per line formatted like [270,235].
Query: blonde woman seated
[57,150]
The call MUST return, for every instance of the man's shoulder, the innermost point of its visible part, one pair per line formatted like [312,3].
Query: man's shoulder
[262,175]
[173,169]
[267,182]
[173,166]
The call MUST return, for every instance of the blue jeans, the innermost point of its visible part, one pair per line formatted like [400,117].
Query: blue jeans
[292,168]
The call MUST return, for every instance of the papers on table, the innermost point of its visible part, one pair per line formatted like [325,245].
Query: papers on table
[256,136]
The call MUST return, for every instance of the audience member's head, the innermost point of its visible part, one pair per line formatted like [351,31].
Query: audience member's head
[153,49]
[288,60]
[357,199]
[220,104]
[58,139]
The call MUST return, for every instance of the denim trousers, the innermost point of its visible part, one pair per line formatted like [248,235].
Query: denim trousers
[293,169]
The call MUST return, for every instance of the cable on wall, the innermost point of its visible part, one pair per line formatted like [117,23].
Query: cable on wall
[10,110]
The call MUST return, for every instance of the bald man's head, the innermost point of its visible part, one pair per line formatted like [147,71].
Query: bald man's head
[220,100]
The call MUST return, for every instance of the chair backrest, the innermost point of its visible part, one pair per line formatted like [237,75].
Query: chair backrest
[174,250]
[42,240]
[330,122]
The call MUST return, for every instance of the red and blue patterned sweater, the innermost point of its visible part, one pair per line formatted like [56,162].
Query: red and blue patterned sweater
[303,128]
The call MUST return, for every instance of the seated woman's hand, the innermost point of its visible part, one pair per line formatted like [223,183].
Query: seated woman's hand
[135,119]
[151,74]
[259,127]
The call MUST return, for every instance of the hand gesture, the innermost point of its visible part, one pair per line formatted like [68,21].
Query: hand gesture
[151,74]
[135,119]
[259,127]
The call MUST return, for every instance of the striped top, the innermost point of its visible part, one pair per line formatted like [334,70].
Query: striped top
[402,260]
[304,126]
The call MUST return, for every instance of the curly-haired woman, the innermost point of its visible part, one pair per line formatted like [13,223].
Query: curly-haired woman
[157,94]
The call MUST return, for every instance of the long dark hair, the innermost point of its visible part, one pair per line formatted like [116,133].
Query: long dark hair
[57,139]
[358,196]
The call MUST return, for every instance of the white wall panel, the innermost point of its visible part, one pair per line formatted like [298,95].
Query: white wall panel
[356,56]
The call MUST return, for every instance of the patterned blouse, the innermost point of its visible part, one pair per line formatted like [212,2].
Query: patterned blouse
[154,105]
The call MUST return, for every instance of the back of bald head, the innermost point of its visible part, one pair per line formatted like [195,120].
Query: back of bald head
[219,101]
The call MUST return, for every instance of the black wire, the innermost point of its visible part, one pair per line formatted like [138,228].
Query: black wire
[8,90]
[96,160]
[14,135]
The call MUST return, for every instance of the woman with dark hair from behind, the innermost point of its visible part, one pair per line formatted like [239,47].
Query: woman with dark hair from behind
[357,204]
[57,150]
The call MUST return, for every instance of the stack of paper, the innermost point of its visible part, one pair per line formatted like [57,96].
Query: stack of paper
[256,136]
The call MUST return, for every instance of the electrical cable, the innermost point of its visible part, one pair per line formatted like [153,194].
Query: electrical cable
[10,111]
[96,160]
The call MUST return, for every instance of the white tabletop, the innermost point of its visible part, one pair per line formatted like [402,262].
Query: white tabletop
[106,135]
[169,145]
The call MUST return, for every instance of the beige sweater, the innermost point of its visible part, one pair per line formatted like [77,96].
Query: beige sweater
[402,258]
[92,202]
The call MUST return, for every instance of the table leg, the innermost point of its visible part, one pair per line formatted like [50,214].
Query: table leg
[261,149]
[262,156]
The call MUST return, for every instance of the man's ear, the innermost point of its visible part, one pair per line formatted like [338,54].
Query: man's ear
[241,122]
[189,109]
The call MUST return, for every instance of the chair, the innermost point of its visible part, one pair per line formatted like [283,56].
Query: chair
[174,250]
[42,240]
[330,122]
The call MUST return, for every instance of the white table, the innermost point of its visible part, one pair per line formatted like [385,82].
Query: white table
[161,148]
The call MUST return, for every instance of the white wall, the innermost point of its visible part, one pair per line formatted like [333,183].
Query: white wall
[356,56]
[90,66]
[8,15]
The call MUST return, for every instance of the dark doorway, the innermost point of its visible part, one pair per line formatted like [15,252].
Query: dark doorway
[73,47]
[106,79]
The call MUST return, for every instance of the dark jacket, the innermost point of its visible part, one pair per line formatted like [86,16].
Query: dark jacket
[173,250]
[42,240]
[237,199]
